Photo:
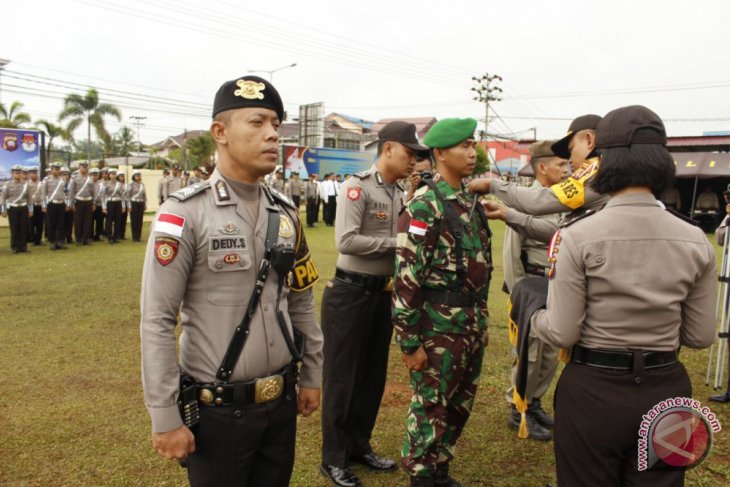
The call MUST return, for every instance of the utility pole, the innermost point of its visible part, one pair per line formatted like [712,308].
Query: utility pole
[138,121]
[486,91]
[3,63]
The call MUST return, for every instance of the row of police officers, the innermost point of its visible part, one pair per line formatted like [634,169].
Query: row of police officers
[228,260]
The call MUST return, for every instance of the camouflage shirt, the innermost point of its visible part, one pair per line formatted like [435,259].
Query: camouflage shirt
[426,258]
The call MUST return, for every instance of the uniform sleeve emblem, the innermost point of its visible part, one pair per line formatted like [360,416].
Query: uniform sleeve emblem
[166,250]
[170,224]
[353,194]
[417,227]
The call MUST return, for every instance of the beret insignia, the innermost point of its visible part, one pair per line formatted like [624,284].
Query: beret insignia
[250,90]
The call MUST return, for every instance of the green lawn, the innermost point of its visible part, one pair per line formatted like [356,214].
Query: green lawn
[72,412]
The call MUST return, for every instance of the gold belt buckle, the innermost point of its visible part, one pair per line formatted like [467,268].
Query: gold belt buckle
[269,388]
[388,285]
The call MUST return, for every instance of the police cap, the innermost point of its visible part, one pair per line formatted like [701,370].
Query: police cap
[401,132]
[16,167]
[584,122]
[83,163]
[449,132]
[32,169]
[248,92]
[541,148]
[94,170]
[65,169]
[619,128]
[55,165]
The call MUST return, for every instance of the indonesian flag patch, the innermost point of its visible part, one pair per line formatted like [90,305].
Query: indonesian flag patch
[417,227]
[353,194]
[170,224]
[166,250]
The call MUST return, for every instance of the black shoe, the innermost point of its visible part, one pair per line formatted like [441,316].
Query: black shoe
[541,416]
[340,477]
[441,477]
[721,397]
[374,462]
[422,482]
[61,247]
[534,430]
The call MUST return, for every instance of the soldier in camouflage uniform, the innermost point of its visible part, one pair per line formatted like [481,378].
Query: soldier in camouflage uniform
[443,266]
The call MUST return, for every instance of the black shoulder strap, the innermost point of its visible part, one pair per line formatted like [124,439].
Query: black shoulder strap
[241,333]
[456,229]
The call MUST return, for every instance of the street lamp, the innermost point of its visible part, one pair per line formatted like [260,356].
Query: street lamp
[3,63]
[271,72]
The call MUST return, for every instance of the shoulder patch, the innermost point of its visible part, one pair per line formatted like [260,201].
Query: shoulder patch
[578,215]
[185,194]
[281,198]
[363,174]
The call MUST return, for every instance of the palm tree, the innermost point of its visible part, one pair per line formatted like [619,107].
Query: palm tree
[52,131]
[12,117]
[87,109]
[201,149]
[124,141]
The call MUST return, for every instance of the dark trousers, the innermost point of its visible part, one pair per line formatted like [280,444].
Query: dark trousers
[312,209]
[35,225]
[253,446]
[18,221]
[123,223]
[98,223]
[357,330]
[56,224]
[598,413]
[68,225]
[137,214]
[330,210]
[82,221]
[113,220]
[297,200]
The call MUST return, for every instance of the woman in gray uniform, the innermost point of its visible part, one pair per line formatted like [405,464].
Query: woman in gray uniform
[629,285]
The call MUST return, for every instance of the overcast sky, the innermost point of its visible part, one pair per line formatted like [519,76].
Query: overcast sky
[164,59]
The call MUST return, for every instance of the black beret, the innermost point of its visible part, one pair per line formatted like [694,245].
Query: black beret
[248,92]
[619,128]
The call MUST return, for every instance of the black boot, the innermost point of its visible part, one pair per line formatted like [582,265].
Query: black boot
[422,482]
[441,477]
[540,415]
[534,430]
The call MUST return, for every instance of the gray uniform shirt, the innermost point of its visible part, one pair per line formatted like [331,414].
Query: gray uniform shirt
[366,224]
[536,250]
[113,191]
[35,193]
[80,188]
[202,259]
[170,185]
[52,190]
[16,194]
[136,193]
[632,276]
[311,190]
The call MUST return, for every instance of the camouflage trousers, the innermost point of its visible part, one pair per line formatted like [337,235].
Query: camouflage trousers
[443,395]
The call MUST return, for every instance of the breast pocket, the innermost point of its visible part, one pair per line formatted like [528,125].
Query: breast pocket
[229,281]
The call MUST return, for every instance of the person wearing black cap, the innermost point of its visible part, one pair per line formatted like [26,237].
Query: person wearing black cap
[572,194]
[356,305]
[230,258]
[624,312]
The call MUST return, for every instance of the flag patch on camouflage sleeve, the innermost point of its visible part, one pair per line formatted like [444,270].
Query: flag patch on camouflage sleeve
[417,227]
[170,224]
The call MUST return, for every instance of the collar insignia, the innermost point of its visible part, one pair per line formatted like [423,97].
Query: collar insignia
[250,90]
[222,190]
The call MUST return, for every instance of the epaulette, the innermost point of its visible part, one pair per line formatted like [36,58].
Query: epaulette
[185,194]
[400,186]
[281,198]
[578,215]
[363,174]
[683,217]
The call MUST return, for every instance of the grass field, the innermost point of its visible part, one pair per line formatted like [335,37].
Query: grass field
[72,412]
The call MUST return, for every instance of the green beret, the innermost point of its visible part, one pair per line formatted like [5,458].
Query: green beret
[449,132]
[248,92]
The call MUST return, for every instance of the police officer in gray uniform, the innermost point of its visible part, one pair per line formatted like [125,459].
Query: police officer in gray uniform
[230,256]
[35,226]
[172,183]
[573,194]
[81,195]
[53,200]
[523,256]
[16,202]
[356,319]
[630,285]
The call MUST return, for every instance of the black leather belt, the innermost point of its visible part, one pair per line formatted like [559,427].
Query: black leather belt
[448,298]
[535,270]
[366,281]
[257,391]
[620,359]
